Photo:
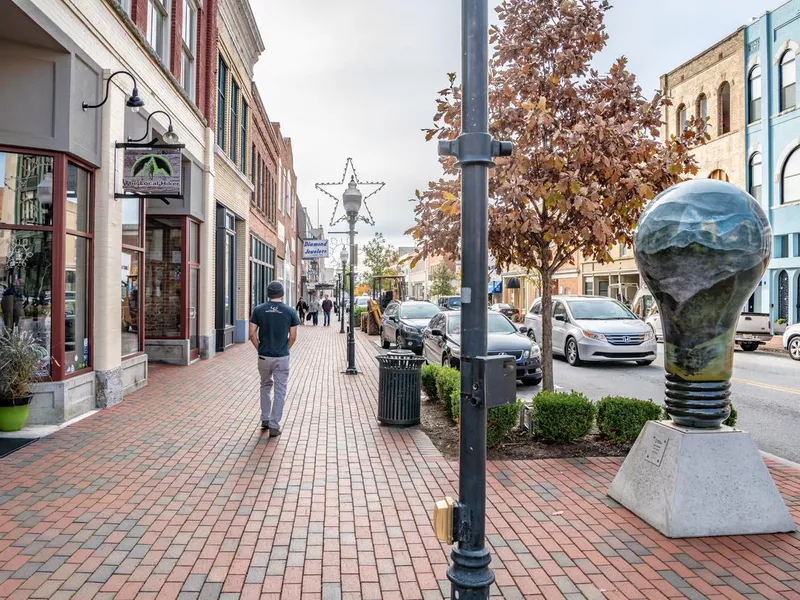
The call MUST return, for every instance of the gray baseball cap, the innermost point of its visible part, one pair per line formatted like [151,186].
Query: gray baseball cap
[275,290]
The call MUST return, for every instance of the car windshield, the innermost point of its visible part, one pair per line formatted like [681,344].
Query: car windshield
[496,324]
[598,310]
[418,311]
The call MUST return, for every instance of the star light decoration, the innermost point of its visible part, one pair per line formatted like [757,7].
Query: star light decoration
[349,166]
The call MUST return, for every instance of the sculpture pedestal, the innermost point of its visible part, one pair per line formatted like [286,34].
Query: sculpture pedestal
[695,482]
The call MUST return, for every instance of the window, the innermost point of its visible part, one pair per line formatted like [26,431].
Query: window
[790,180]
[536,308]
[163,279]
[189,47]
[254,176]
[287,191]
[262,270]
[796,248]
[234,121]
[130,285]
[755,176]
[157,28]
[243,138]
[702,107]
[788,80]
[226,277]
[681,125]
[222,90]
[783,295]
[125,5]
[623,250]
[781,246]
[754,108]
[725,108]
[588,287]
[559,310]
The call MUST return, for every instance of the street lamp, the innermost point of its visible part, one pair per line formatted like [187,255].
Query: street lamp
[351,202]
[343,258]
[169,138]
[134,102]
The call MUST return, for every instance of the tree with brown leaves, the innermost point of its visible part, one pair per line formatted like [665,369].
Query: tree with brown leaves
[587,155]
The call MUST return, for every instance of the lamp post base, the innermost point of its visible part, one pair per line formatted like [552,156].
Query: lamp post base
[470,576]
[351,371]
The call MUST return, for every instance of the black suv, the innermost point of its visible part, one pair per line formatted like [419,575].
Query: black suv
[403,322]
[450,303]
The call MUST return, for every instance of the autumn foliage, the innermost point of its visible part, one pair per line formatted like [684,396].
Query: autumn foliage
[587,155]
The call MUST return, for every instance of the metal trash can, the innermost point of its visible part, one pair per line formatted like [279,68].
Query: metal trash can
[399,388]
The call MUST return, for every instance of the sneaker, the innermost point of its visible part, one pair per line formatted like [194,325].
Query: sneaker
[274,432]
[264,424]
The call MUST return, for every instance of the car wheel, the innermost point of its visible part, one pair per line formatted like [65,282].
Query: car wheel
[531,380]
[749,346]
[644,363]
[384,344]
[572,354]
[794,348]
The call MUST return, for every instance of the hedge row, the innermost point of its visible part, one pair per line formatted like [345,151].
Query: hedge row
[443,384]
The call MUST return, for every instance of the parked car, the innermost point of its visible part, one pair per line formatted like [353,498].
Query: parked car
[362,301]
[403,323]
[449,303]
[506,309]
[441,344]
[752,330]
[594,329]
[791,341]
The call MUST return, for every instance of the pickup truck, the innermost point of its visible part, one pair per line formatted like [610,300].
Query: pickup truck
[752,331]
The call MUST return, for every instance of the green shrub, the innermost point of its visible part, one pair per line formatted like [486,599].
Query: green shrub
[429,381]
[731,420]
[359,310]
[500,421]
[562,416]
[448,380]
[455,404]
[621,419]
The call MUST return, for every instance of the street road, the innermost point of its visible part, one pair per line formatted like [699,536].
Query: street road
[765,392]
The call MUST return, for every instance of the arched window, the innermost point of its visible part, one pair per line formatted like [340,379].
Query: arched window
[790,179]
[725,108]
[788,80]
[719,174]
[755,176]
[680,125]
[701,110]
[754,107]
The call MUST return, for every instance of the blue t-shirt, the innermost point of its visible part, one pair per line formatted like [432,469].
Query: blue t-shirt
[274,320]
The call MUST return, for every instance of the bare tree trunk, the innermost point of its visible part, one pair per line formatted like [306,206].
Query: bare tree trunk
[547,331]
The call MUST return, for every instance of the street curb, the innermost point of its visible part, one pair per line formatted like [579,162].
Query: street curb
[785,462]
[773,351]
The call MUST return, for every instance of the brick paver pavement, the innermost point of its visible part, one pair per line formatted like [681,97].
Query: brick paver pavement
[176,493]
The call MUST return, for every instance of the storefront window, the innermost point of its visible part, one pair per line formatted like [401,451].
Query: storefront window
[163,278]
[262,270]
[26,293]
[131,221]
[26,189]
[77,198]
[76,307]
[130,302]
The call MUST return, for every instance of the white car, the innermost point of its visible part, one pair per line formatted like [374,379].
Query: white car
[594,329]
[791,341]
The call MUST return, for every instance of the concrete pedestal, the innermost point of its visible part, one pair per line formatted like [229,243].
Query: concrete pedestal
[694,482]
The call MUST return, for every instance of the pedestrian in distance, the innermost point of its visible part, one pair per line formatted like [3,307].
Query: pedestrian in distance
[327,305]
[313,310]
[273,331]
[301,309]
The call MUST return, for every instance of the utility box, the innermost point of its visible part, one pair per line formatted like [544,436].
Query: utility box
[499,376]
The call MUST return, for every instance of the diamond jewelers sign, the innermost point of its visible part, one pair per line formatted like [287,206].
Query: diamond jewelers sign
[315,249]
[152,171]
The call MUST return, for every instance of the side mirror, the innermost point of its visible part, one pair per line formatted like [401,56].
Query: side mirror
[562,318]
[436,332]
[523,329]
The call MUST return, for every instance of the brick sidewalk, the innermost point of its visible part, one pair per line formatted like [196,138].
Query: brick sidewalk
[176,493]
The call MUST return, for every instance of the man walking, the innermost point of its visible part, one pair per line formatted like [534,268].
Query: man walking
[273,331]
[313,309]
[327,305]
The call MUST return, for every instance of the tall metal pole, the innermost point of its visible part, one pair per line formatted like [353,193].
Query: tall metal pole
[470,574]
[341,296]
[351,334]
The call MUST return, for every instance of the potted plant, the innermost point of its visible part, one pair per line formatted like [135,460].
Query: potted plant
[780,326]
[19,360]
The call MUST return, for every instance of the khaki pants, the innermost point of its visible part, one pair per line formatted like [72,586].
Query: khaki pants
[274,374]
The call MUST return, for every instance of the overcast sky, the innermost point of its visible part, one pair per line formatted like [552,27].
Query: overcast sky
[358,78]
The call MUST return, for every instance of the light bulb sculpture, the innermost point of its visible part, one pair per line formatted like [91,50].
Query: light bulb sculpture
[701,247]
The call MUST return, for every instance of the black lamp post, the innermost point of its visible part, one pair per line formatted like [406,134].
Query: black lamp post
[134,102]
[475,149]
[351,202]
[343,258]
[170,137]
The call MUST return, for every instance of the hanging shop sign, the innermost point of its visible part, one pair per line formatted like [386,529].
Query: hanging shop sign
[151,171]
[315,249]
